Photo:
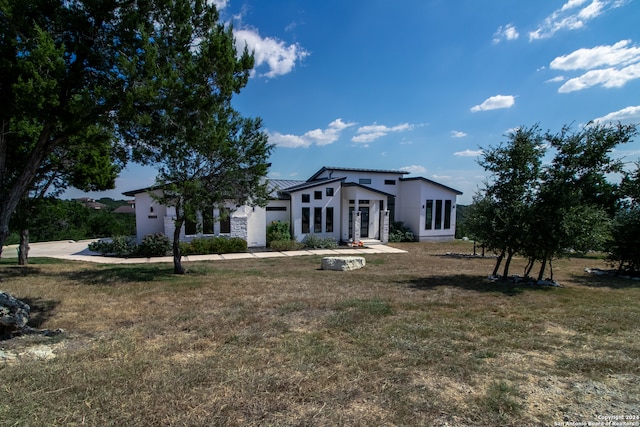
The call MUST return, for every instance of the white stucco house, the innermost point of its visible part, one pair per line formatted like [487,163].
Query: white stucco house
[344,203]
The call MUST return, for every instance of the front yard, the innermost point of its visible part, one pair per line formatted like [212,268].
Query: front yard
[412,339]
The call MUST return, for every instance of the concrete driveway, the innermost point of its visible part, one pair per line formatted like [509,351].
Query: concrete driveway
[79,251]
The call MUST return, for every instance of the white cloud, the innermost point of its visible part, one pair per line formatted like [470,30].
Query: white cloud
[457,134]
[507,32]
[468,153]
[414,169]
[573,15]
[288,141]
[316,136]
[494,103]
[619,54]
[627,113]
[556,79]
[607,66]
[369,133]
[278,57]
[608,77]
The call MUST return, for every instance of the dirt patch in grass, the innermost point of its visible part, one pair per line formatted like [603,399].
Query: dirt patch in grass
[411,339]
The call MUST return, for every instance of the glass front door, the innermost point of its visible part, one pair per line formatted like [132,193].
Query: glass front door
[364,221]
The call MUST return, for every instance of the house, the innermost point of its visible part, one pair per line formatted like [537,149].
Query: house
[129,208]
[91,203]
[347,204]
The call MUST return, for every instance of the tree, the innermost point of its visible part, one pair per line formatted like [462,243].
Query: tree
[205,151]
[576,199]
[540,211]
[625,233]
[499,217]
[66,67]
[83,166]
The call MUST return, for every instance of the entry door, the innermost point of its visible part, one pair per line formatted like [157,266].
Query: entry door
[364,221]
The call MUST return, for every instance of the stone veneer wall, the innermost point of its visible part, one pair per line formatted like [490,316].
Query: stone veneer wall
[239,226]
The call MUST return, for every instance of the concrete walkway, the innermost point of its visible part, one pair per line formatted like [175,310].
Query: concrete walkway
[78,251]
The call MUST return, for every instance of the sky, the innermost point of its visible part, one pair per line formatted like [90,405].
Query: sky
[424,85]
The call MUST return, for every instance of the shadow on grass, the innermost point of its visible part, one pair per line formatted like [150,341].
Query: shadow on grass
[113,275]
[41,310]
[471,283]
[8,272]
[605,281]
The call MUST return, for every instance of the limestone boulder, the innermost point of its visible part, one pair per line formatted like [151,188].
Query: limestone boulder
[343,263]
[14,314]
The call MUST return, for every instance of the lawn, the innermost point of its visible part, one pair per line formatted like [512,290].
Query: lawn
[412,339]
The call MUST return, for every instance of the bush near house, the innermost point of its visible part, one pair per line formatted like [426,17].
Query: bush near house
[214,245]
[315,242]
[158,244]
[400,233]
[286,245]
[277,231]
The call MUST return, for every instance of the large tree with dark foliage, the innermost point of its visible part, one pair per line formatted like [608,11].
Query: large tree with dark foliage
[541,210]
[205,151]
[66,67]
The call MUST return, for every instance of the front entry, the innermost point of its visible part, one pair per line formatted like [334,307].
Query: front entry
[364,221]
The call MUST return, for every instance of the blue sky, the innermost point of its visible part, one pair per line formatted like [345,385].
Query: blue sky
[422,85]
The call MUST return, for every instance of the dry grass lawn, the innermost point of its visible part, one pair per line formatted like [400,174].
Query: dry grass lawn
[411,339]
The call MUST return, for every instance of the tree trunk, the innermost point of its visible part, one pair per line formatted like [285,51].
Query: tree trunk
[20,186]
[177,256]
[543,267]
[23,248]
[529,267]
[507,263]
[498,262]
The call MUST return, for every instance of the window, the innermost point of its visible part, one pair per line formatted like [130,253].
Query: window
[317,220]
[306,213]
[428,221]
[190,227]
[317,195]
[438,214]
[364,180]
[389,182]
[447,214]
[276,208]
[306,198]
[391,206]
[329,191]
[208,221]
[363,202]
[328,225]
[225,221]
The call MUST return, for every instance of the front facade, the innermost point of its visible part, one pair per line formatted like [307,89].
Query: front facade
[347,204]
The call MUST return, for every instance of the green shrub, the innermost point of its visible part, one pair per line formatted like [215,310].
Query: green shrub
[278,230]
[400,233]
[118,246]
[286,245]
[214,245]
[316,242]
[156,244]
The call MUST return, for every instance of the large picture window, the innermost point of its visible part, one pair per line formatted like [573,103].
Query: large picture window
[225,221]
[438,222]
[328,226]
[190,227]
[447,214]
[317,220]
[428,221]
[207,221]
[306,220]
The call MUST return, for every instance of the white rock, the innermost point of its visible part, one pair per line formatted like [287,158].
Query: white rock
[343,263]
